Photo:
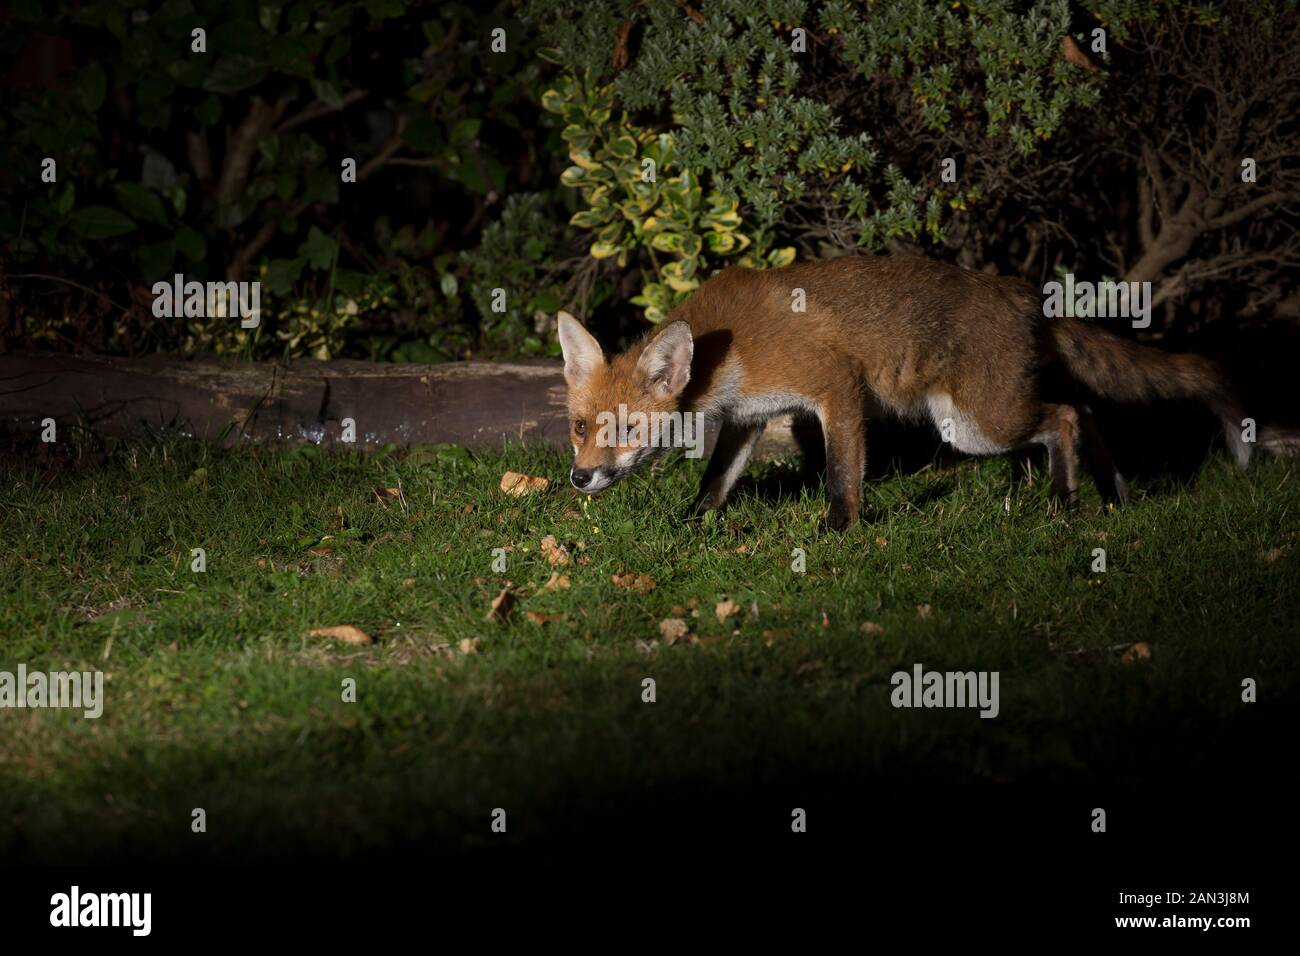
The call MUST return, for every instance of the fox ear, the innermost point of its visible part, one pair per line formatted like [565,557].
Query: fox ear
[582,354]
[666,360]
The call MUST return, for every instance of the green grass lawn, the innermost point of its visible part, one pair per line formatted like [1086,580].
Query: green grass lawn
[216,697]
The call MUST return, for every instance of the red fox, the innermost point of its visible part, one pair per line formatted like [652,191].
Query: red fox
[911,337]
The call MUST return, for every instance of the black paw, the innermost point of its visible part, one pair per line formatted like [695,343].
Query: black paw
[840,518]
[704,504]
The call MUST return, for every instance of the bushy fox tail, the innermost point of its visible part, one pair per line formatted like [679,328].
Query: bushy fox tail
[1118,369]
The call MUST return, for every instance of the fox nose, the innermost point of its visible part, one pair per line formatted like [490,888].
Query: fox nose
[581,477]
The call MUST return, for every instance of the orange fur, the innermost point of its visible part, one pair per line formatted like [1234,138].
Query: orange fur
[906,336]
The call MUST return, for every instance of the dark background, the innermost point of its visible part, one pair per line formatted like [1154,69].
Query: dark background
[1120,164]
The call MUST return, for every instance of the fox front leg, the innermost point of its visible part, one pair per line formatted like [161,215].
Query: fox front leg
[730,455]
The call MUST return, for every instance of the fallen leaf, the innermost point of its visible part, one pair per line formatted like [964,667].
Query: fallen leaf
[673,629]
[724,609]
[386,495]
[742,549]
[882,543]
[518,484]
[536,618]
[771,636]
[1272,554]
[826,621]
[870,627]
[408,582]
[1139,651]
[344,633]
[555,553]
[558,582]
[631,581]
[502,605]
[924,612]
[469,645]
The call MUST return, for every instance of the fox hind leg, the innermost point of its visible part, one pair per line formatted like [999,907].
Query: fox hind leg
[1058,430]
[1110,482]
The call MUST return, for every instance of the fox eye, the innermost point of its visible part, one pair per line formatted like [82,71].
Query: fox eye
[579,427]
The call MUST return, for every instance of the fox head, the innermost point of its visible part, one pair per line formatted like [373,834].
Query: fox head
[646,379]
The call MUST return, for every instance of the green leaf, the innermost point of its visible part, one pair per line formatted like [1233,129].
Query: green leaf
[623,148]
[384,9]
[65,199]
[234,73]
[680,275]
[552,102]
[209,111]
[471,174]
[327,93]
[578,137]
[155,260]
[157,172]
[582,158]
[465,130]
[547,302]
[92,85]
[281,274]
[433,32]
[667,241]
[141,203]
[422,135]
[191,244]
[779,258]
[100,222]
[590,218]
[319,249]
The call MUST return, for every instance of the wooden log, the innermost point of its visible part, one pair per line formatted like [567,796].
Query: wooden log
[474,404]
